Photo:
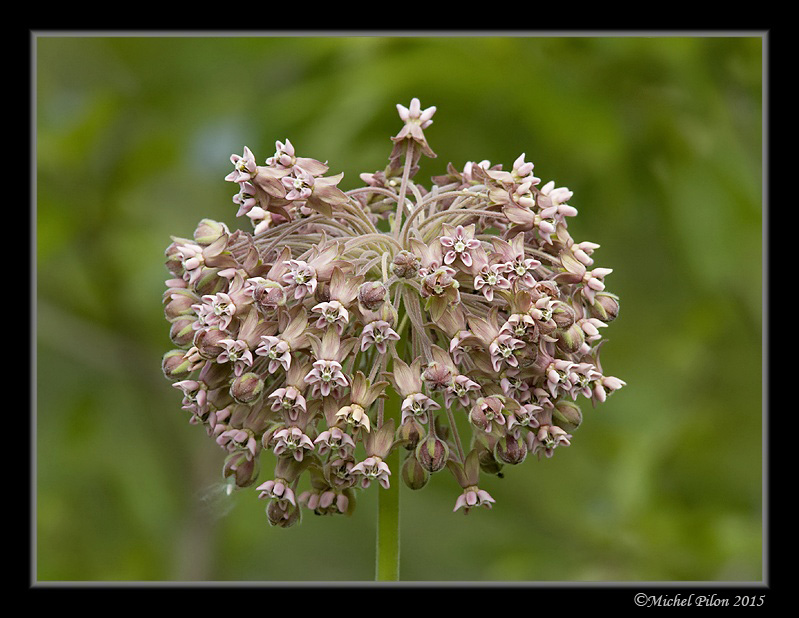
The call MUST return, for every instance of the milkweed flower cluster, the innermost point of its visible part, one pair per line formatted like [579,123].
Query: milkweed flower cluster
[467,301]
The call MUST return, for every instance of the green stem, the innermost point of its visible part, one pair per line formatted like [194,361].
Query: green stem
[388,536]
[387,564]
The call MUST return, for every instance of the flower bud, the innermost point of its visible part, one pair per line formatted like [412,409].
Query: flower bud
[410,432]
[567,415]
[175,365]
[509,450]
[268,294]
[405,265]
[282,513]
[209,282]
[371,295]
[178,302]
[413,474]
[563,315]
[216,376]
[174,258]
[242,468]
[247,388]
[432,453]
[322,292]
[571,339]
[209,231]
[605,306]
[207,342]
[489,463]
[181,332]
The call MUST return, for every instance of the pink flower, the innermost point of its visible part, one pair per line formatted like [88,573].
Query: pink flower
[488,413]
[195,396]
[414,115]
[236,352]
[526,417]
[331,313]
[546,439]
[325,376]
[468,294]
[472,497]
[277,351]
[335,441]
[377,333]
[355,416]
[245,198]
[513,386]
[373,468]
[459,242]
[415,120]
[244,167]
[301,278]
[299,186]
[492,278]
[216,310]
[503,349]
[277,489]
[284,155]
[293,441]
[238,439]
[604,386]
[459,389]
[289,401]
[417,406]
[559,376]
[552,202]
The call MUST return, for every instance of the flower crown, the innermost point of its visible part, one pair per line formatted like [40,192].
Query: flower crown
[467,299]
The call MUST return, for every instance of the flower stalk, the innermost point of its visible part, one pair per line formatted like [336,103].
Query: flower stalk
[387,567]
[382,334]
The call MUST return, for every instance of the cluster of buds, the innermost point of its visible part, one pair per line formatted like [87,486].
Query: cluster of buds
[466,302]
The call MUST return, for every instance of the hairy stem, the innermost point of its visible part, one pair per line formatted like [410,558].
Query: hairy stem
[403,190]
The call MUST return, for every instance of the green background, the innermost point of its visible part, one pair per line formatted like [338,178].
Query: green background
[659,138]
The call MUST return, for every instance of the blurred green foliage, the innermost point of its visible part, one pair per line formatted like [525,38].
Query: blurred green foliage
[659,137]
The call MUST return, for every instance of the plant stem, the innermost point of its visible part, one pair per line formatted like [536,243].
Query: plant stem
[403,189]
[387,563]
[388,534]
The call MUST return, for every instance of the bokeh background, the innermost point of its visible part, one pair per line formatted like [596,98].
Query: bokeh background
[659,137]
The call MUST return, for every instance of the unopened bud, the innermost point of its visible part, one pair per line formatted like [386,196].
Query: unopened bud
[282,513]
[509,450]
[478,418]
[605,306]
[567,415]
[489,463]
[268,294]
[410,432]
[181,331]
[207,342]
[178,302]
[242,468]
[322,292]
[563,315]
[571,339]
[175,365]
[413,474]
[247,388]
[432,453]
[405,265]
[210,282]
[209,231]
[371,295]
[174,258]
